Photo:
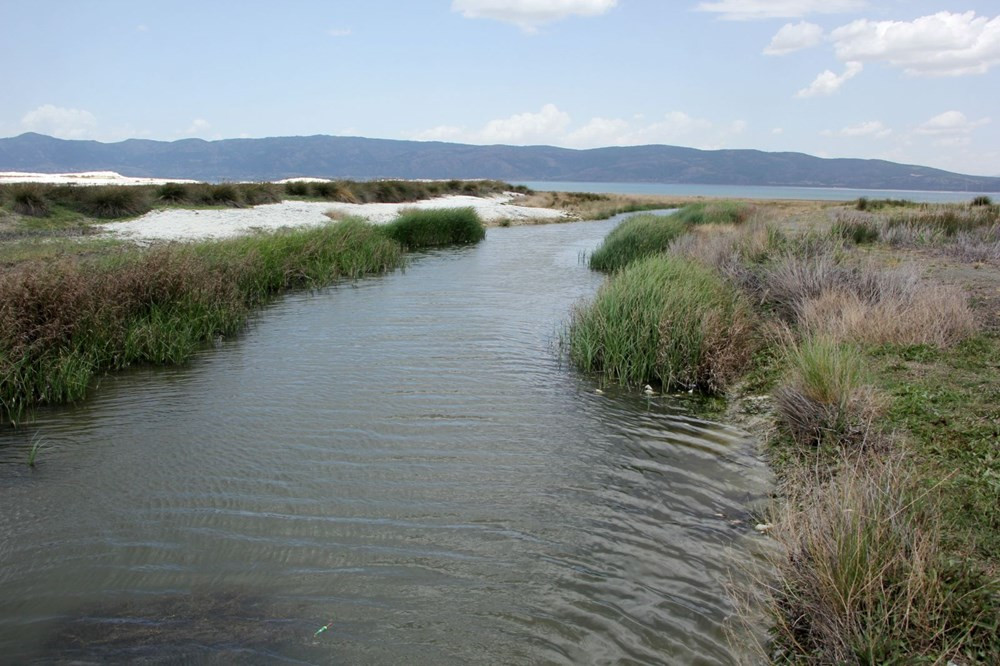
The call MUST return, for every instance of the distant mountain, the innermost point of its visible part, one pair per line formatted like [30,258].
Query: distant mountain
[359,158]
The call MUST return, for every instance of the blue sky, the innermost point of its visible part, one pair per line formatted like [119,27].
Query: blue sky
[914,81]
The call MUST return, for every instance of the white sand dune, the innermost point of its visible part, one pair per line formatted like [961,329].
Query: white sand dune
[84,178]
[184,224]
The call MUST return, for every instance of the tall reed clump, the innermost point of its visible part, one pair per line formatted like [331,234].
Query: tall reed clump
[415,229]
[637,237]
[112,201]
[826,397]
[29,199]
[864,577]
[63,322]
[666,320]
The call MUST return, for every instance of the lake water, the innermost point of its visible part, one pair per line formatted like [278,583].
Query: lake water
[401,470]
[755,192]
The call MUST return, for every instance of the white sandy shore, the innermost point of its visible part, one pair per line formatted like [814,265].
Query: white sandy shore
[84,178]
[183,224]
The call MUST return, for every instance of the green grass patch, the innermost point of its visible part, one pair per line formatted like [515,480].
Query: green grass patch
[415,229]
[664,320]
[63,321]
[715,212]
[637,237]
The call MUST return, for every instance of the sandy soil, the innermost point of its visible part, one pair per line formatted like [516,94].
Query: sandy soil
[184,224]
[84,178]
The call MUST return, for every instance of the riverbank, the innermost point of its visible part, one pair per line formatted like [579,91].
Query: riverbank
[66,319]
[873,370]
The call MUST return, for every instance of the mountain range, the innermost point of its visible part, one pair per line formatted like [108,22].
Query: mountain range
[361,158]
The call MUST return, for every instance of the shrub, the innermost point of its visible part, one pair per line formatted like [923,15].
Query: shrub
[667,320]
[173,193]
[222,194]
[415,229]
[29,199]
[255,194]
[297,188]
[982,200]
[113,201]
[636,238]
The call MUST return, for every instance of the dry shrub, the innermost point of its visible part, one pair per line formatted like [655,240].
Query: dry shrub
[936,315]
[981,244]
[863,576]
[794,279]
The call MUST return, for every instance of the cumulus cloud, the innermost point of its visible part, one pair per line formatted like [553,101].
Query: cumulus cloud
[942,44]
[530,14]
[794,37]
[873,128]
[553,127]
[827,83]
[198,126]
[60,122]
[951,128]
[521,128]
[748,10]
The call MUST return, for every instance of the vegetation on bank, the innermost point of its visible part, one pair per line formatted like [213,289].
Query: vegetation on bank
[65,320]
[104,202]
[429,228]
[637,237]
[882,387]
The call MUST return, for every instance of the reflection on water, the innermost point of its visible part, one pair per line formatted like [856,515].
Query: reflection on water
[406,461]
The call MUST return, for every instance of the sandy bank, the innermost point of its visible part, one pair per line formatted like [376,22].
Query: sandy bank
[184,224]
[83,178]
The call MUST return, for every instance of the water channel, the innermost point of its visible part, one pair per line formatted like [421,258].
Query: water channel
[398,470]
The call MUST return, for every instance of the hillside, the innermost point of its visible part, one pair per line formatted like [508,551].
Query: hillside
[360,158]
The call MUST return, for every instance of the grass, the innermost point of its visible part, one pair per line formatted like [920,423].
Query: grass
[62,322]
[36,445]
[867,580]
[637,237]
[664,320]
[715,212]
[415,229]
[825,396]
[884,399]
[54,202]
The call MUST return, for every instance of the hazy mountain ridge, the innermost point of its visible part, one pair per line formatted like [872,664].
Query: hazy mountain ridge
[361,158]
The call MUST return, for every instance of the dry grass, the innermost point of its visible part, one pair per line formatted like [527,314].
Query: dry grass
[931,315]
[864,577]
[590,206]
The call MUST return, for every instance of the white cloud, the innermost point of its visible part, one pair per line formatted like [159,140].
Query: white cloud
[530,14]
[794,37]
[951,128]
[942,44]
[526,127]
[519,129]
[828,82]
[778,131]
[872,128]
[198,127]
[553,127]
[339,32]
[747,10]
[60,122]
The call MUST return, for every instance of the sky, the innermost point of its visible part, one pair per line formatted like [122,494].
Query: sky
[912,81]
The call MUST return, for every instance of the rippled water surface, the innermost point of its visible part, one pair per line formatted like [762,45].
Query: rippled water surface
[405,461]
